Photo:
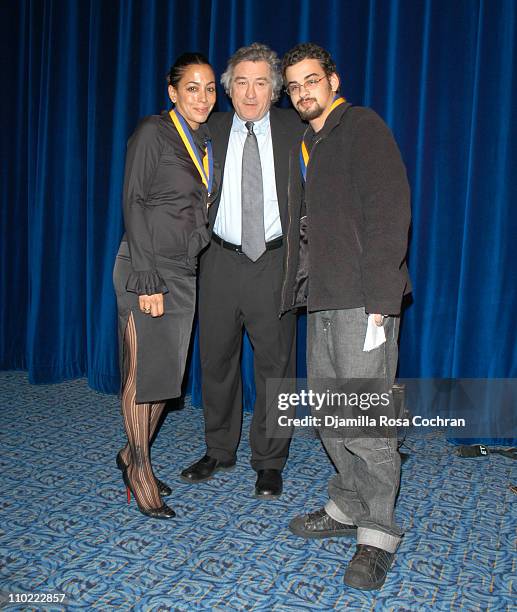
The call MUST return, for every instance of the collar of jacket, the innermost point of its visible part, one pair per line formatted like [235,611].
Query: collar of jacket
[333,120]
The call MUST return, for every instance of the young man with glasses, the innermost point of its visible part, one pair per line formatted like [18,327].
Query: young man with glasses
[347,241]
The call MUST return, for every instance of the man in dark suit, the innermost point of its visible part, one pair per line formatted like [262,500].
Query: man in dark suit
[241,272]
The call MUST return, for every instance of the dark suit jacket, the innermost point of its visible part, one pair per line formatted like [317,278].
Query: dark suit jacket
[286,131]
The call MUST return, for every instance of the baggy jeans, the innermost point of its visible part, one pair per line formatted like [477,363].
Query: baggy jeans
[363,491]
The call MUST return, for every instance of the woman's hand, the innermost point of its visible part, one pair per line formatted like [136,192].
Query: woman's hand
[151,304]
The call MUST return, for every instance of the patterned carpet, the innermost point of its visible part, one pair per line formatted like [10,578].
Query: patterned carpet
[66,527]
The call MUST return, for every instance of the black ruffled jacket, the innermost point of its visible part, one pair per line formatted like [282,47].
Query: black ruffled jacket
[165,204]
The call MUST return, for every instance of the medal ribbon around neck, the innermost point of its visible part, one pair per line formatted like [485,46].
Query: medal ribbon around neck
[304,152]
[204,166]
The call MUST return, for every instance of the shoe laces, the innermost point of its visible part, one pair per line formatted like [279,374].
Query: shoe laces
[373,556]
[316,515]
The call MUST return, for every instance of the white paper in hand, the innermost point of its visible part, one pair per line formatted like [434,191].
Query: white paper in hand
[375,335]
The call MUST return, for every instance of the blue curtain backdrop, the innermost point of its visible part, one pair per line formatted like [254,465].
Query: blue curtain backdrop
[77,75]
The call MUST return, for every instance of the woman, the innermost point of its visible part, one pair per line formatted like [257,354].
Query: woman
[167,187]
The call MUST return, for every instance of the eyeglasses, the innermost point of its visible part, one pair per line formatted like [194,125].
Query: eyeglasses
[308,85]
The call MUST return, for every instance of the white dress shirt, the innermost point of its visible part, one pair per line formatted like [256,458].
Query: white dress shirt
[228,223]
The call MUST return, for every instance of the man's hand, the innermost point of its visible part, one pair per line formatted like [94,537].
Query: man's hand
[151,304]
[378,319]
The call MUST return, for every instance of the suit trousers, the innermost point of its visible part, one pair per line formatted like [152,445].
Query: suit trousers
[236,293]
[364,490]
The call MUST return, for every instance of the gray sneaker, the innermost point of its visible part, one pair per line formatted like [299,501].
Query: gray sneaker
[319,524]
[368,568]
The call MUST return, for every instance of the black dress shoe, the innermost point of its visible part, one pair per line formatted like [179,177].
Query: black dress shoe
[320,525]
[205,468]
[368,568]
[163,489]
[269,484]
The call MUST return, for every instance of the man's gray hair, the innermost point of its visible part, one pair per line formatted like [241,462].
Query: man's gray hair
[256,52]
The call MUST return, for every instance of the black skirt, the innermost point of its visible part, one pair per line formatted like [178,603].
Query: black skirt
[162,342]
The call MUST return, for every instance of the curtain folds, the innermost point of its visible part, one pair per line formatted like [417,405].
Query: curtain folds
[80,74]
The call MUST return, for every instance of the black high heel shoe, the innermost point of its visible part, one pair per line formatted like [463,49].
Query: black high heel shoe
[163,512]
[163,489]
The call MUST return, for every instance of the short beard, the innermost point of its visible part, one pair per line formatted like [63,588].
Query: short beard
[309,115]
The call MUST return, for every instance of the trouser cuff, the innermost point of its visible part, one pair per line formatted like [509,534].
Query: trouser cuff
[379,539]
[221,455]
[333,511]
[271,464]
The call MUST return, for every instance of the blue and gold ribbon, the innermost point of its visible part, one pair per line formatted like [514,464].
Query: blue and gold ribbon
[304,152]
[204,166]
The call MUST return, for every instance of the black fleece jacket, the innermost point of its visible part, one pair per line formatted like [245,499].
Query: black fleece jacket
[352,244]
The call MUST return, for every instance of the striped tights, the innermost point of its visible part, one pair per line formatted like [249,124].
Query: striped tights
[140,422]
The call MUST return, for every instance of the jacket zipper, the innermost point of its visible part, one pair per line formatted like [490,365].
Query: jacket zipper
[316,142]
[286,275]
[284,296]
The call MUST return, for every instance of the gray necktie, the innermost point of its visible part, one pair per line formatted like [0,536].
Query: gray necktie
[253,239]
